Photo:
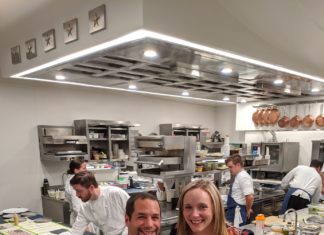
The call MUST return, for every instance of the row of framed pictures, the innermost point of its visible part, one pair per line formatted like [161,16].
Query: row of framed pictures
[97,22]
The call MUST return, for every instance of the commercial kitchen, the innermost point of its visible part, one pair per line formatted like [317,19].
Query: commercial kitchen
[128,79]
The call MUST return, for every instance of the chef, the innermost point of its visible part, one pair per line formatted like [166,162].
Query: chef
[304,185]
[241,192]
[103,207]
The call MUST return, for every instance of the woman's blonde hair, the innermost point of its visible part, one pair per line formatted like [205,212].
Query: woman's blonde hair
[219,226]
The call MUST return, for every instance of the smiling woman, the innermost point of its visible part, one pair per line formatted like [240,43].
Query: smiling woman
[201,210]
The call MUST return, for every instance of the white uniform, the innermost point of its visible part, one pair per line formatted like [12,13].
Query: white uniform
[73,200]
[242,186]
[305,178]
[107,212]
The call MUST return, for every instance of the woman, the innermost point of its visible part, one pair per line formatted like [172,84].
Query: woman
[75,167]
[201,210]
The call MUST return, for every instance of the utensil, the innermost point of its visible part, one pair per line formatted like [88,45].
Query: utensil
[308,120]
[296,120]
[255,117]
[320,118]
[274,115]
[284,121]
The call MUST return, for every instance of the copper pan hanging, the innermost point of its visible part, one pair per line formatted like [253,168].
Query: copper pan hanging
[296,120]
[284,120]
[320,118]
[265,116]
[308,120]
[255,117]
[260,116]
[274,115]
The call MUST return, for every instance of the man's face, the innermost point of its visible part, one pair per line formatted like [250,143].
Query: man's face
[234,168]
[145,219]
[82,192]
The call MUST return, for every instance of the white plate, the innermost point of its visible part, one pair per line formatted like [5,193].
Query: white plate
[8,216]
[14,210]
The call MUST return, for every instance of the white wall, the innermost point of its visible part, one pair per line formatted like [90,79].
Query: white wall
[26,104]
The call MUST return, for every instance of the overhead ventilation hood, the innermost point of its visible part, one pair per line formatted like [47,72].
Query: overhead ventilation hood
[178,66]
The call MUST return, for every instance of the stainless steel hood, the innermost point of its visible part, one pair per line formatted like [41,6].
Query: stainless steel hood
[178,68]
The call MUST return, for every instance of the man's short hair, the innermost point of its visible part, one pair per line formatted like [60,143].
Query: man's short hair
[130,205]
[316,163]
[235,158]
[85,179]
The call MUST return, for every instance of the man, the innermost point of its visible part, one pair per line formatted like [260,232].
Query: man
[241,191]
[103,207]
[143,215]
[304,185]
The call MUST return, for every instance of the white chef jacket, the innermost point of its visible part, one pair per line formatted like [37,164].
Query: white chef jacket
[305,178]
[242,186]
[73,200]
[107,212]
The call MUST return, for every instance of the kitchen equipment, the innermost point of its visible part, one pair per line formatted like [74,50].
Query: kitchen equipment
[265,116]
[284,120]
[318,149]
[196,130]
[296,120]
[274,115]
[260,116]
[255,117]
[308,120]
[283,155]
[320,118]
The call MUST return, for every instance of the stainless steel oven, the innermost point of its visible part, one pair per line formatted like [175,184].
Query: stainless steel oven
[318,150]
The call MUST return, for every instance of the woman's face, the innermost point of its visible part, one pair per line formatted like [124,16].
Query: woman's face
[83,167]
[198,211]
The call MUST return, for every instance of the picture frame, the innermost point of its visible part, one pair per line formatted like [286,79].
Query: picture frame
[15,54]
[70,29]
[49,40]
[31,51]
[97,19]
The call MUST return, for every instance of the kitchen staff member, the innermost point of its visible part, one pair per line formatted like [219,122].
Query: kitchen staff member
[304,185]
[241,191]
[103,207]
[143,215]
[76,166]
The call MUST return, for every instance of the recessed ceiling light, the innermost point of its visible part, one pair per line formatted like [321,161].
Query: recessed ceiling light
[195,73]
[226,98]
[60,77]
[278,81]
[150,53]
[226,71]
[243,101]
[315,89]
[185,93]
[132,86]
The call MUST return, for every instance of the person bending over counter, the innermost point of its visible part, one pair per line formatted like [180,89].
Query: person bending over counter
[304,185]
[201,210]
[105,208]
[241,191]
[76,166]
[143,215]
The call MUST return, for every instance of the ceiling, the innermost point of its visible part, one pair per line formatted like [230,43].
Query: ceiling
[172,71]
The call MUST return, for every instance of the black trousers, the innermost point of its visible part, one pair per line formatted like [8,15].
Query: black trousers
[297,202]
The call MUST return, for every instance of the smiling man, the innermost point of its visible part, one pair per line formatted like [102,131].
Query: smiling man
[143,215]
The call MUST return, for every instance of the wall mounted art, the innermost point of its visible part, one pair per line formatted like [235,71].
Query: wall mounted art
[15,55]
[70,31]
[49,40]
[97,19]
[31,48]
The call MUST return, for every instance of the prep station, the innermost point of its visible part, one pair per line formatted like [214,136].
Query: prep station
[156,94]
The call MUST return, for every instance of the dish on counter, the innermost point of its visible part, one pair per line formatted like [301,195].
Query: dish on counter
[7,216]
[42,220]
[28,213]
[14,211]
[21,219]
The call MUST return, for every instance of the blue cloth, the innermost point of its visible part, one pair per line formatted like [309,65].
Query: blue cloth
[231,205]
[290,191]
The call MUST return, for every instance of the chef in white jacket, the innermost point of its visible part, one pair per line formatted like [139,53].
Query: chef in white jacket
[105,208]
[76,166]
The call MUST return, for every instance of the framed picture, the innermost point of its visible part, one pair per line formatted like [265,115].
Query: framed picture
[15,55]
[31,48]
[70,31]
[97,19]
[49,40]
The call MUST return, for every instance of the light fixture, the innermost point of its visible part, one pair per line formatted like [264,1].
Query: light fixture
[278,81]
[315,89]
[60,77]
[185,93]
[226,71]
[150,53]
[195,73]
[132,86]
[226,98]
[243,101]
